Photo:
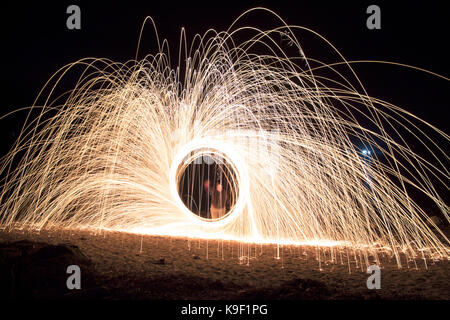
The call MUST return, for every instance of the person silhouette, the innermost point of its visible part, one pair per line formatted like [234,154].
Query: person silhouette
[219,201]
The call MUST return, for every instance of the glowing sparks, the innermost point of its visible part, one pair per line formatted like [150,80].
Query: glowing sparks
[109,157]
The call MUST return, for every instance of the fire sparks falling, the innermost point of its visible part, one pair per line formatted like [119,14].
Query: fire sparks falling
[105,156]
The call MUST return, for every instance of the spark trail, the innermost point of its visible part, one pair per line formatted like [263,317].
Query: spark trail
[107,155]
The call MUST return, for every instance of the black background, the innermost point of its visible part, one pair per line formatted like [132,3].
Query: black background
[36,43]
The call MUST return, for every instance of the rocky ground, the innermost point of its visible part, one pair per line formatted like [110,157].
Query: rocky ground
[128,266]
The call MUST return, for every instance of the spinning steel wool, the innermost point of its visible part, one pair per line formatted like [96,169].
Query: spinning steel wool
[134,147]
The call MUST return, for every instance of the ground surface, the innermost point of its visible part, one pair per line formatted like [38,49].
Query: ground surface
[127,266]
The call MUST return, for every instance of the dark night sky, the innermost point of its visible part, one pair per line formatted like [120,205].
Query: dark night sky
[36,42]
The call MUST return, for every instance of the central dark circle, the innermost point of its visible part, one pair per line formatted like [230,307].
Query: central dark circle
[207,184]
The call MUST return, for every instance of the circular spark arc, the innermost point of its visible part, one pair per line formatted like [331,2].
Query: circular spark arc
[106,154]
